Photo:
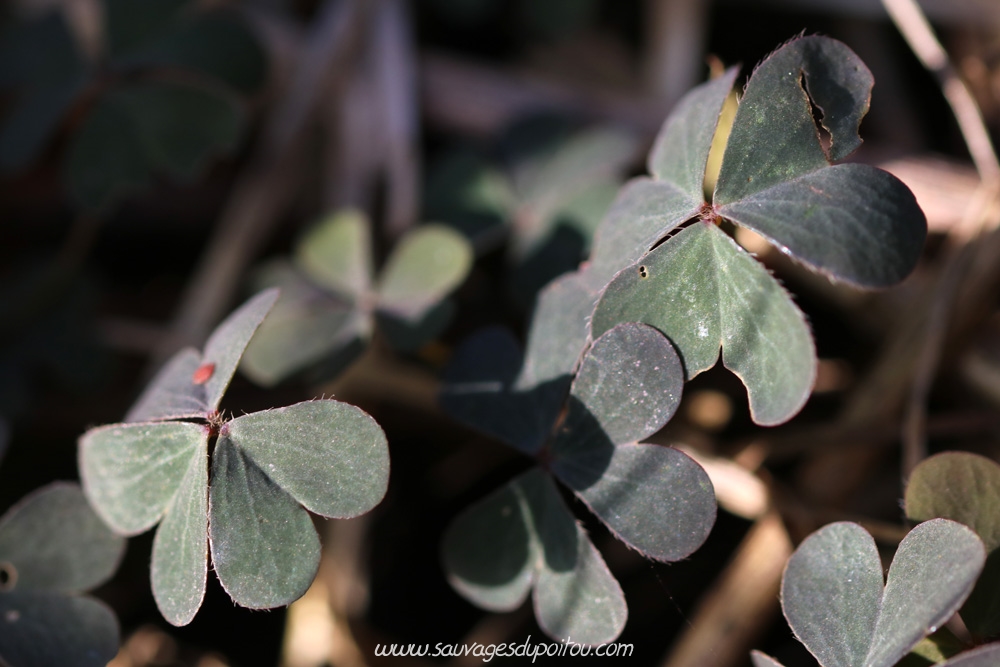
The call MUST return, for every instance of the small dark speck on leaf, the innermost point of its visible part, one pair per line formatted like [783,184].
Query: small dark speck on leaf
[643,273]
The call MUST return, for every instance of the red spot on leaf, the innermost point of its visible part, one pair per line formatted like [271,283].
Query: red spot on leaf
[203,373]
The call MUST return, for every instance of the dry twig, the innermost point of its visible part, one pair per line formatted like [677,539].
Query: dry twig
[267,182]
[915,28]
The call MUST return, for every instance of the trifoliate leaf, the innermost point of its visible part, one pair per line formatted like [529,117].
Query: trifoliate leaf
[851,222]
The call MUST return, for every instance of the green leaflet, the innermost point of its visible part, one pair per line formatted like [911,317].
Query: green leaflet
[307,324]
[704,292]
[264,547]
[337,254]
[834,601]
[423,268]
[179,566]
[331,457]
[56,543]
[558,335]
[647,209]
[131,472]
[643,213]
[680,154]
[960,486]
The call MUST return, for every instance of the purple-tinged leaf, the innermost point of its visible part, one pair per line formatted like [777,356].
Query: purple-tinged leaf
[655,499]
[833,597]
[774,136]
[479,391]
[984,656]
[524,536]
[852,222]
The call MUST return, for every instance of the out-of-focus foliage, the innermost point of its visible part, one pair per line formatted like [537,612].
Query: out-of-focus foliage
[52,548]
[160,100]
[331,299]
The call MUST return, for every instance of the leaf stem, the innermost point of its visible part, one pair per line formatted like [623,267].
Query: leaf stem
[916,30]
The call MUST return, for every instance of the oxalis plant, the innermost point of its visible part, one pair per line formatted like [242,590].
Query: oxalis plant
[267,469]
[523,537]
[851,222]
[664,291]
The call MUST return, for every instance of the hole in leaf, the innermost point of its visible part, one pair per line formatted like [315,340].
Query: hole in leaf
[643,272]
[825,138]
[8,576]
